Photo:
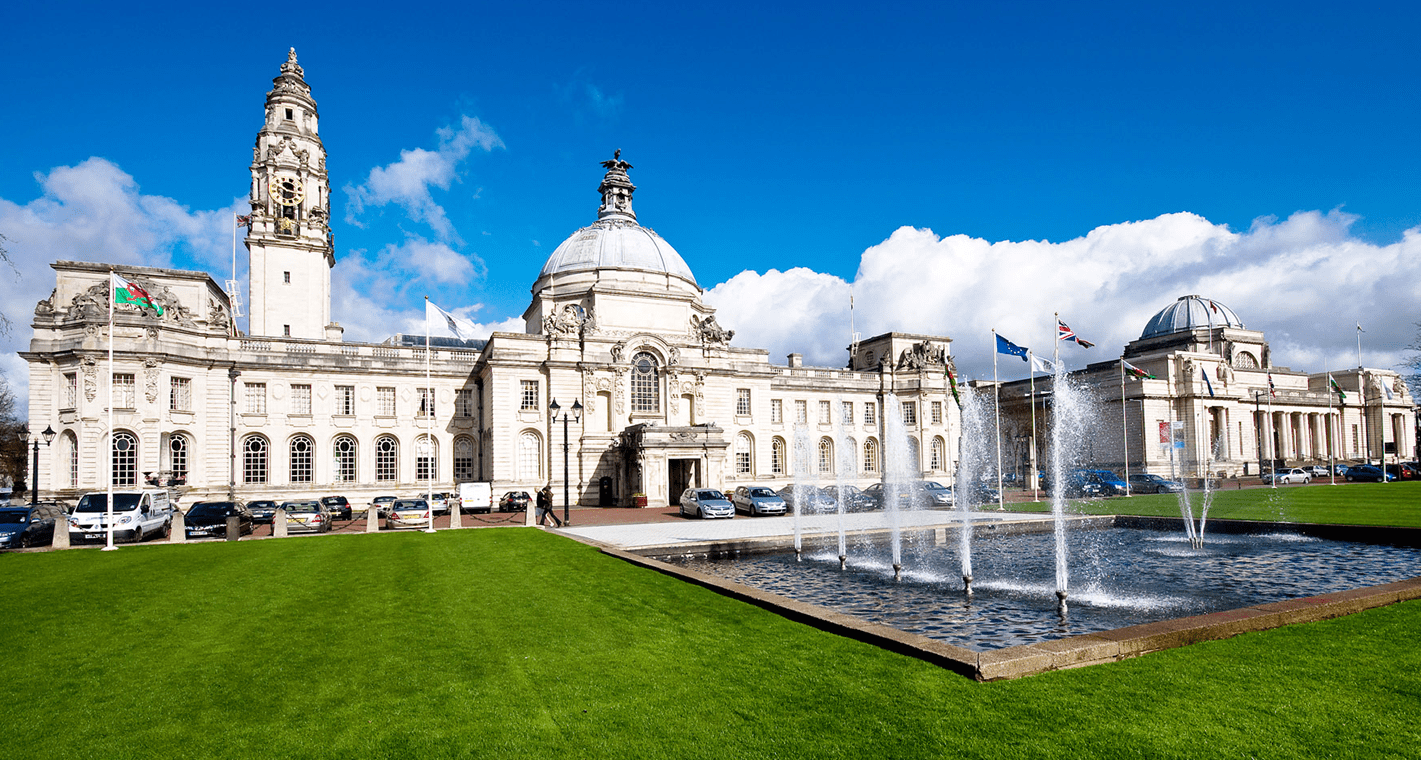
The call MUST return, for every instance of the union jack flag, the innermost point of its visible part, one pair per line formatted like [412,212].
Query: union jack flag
[1272,391]
[1063,332]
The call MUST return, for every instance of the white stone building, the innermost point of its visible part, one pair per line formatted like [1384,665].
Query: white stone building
[1212,380]
[616,324]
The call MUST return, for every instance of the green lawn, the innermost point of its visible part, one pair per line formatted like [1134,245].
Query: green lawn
[516,643]
[1397,504]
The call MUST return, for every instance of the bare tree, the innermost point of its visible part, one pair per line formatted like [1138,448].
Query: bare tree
[1413,363]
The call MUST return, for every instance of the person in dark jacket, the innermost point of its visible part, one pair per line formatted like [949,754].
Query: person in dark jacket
[545,506]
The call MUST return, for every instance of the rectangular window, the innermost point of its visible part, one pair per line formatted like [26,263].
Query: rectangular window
[123,396]
[464,402]
[801,412]
[937,412]
[286,331]
[385,402]
[848,418]
[825,413]
[530,395]
[286,276]
[910,412]
[426,403]
[180,394]
[777,411]
[345,400]
[71,390]
[300,399]
[742,402]
[256,399]
[870,413]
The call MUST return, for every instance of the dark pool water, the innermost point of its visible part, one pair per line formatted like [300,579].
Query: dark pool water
[1118,577]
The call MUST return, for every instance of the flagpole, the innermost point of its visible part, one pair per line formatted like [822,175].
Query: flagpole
[1124,427]
[1272,437]
[428,422]
[997,393]
[1332,447]
[1035,491]
[1362,404]
[113,285]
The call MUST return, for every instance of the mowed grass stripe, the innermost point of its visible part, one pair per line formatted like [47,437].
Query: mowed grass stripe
[517,643]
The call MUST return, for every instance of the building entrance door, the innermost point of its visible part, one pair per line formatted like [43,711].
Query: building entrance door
[683,474]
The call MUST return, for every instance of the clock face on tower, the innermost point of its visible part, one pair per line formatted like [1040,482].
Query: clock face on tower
[286,191]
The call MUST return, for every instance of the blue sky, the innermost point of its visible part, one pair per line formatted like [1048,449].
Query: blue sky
[963,166]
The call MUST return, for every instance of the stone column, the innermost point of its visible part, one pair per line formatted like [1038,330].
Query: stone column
[456,519]
[178,534]
[372,519]
[234,528]
[278,524]
[61,533]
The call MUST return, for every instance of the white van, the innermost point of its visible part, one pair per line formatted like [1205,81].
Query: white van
[136,515]
[476,497]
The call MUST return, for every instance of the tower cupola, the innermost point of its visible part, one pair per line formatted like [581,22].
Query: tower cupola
[616,190]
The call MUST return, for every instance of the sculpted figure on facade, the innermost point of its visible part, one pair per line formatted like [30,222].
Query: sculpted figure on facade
[1399,387]
[564,322]
[710,332]
[45,308]
[150,379]
[90,366]
[619,350]
[923,354]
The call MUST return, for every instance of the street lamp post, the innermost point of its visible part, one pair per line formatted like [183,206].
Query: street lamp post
[576,415]
[48,436]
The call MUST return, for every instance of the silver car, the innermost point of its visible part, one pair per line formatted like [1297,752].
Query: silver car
[757,500]
[1289,476]
[705,502]
[407,513]
[307,517]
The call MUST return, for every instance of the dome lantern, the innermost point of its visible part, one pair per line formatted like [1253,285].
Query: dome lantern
[616,190]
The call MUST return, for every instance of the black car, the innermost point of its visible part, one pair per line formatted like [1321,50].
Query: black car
[815,500]
[22,526]
[1144,482]
[263,512]
[208,519]
[338,506]
[514,501]
[1079,485]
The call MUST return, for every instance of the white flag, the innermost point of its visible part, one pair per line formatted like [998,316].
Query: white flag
[1042,365]
[441,322]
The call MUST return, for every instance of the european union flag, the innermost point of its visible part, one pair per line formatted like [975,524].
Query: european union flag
[1005,346]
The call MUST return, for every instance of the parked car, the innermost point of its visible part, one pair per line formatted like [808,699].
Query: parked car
[475,498]
[813,500]
[407,513]
[208,519]
[307,516]
[1368,473]
[1078,485]
[136,515]
[1109,482]
[1288,476]
[263,512]
[980,492]
[1144,482]
[439,502]
[1340,469]
[705,503]
[856,500]
[758,500]
[339,507]
[1318,470]
[514,501]
[381,505]
[24,525]
[915,494]
[1401,471]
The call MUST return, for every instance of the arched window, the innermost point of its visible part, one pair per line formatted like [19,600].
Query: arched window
[646,384]
[938,454]
[530,457]
[125,459]
[302,455]
[69,453]
[744,455]
[463,458]
[826,456]
[1245,360]
[777,456]
[178,448]
[870,455]
[254,459]
[426,458]
[345,460]
[387,458]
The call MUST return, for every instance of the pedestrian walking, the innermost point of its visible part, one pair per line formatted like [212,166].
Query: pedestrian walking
[545,506]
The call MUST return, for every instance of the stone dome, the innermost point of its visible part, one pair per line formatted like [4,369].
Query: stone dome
[617,244]
[1189,313]
[616,241]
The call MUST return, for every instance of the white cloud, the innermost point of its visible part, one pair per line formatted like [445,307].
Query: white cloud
[374,299]
[1304,281]
[407,182]
[94,211]
[437,261]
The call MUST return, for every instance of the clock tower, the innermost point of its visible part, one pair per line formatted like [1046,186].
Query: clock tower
[290,241]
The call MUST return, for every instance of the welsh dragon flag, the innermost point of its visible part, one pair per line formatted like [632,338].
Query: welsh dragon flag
[1333,382]
[127,292]
[952,383]
[1135,372]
